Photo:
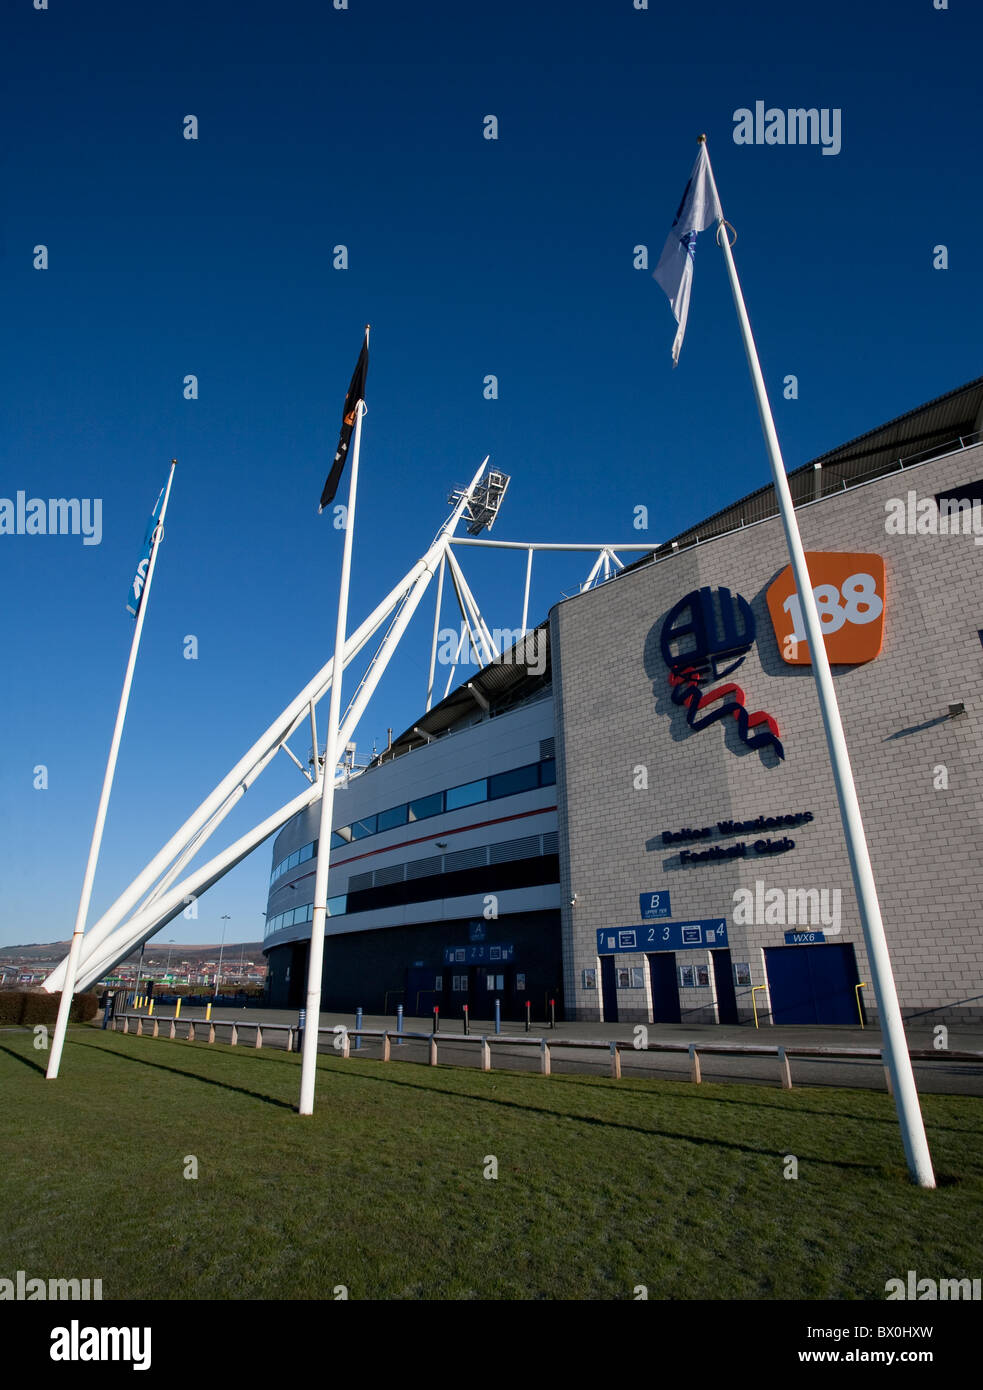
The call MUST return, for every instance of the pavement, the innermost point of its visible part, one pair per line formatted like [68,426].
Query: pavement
[516,1050]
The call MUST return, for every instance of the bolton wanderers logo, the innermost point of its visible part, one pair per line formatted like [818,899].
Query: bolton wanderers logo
[708,634]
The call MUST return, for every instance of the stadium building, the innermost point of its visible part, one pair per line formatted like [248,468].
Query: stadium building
[643,824]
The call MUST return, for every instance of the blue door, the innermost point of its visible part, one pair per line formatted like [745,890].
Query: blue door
[812,984]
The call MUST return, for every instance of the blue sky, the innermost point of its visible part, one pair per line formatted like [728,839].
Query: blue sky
[470,257]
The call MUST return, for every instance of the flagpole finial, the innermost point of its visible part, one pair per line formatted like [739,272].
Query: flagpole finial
[701,139]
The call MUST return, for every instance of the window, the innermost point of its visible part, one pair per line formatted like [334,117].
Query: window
[341,836]
[742,973]
[336,906]
[547,773]
[395,816]
[703,977]
[426,806]
[520,779]
[624,977]
[361,828]
[637,976]
[438,984]
[687,977]
[468,794]
[460,984]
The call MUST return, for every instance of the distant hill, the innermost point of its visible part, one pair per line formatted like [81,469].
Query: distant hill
[155,953]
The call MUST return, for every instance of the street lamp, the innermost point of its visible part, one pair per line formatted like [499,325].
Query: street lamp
[218,973]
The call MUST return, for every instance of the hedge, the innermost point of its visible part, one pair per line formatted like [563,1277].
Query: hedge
[25,1006]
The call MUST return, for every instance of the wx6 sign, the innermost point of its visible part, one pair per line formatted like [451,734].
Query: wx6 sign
[850,596]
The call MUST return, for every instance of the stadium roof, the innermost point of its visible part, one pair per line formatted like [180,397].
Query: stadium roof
[499,686]
[938,427]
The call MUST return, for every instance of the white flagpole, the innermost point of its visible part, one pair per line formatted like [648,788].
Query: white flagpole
[315,962]
[896,1046]
[71,969]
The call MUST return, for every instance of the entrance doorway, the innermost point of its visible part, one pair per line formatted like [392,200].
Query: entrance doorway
[665,987]
[486,984]
[812,984]
[609,990]
[723,979]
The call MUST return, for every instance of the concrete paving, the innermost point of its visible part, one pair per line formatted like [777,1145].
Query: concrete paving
[515,1050]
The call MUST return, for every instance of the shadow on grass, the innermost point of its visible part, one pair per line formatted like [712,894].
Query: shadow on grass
[190,1076]
[845,1165]
[594,1084]
[28,1061]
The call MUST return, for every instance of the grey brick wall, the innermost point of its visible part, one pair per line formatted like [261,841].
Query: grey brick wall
[615,714]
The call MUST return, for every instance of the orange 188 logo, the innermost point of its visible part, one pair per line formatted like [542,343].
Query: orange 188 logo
[850,594]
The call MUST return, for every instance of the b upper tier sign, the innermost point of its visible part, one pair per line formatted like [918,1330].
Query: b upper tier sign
[850,595]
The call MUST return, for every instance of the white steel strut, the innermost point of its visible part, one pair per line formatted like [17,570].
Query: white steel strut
[116,935]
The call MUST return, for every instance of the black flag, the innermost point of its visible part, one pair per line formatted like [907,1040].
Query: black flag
[356,392]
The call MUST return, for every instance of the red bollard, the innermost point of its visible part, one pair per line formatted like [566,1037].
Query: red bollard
[528,1007]
[467,1027]
[436,1018]
[552,1013]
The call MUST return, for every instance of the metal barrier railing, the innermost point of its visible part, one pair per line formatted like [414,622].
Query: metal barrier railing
[340,1035]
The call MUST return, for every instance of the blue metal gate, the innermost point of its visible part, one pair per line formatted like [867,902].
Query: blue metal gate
[812,984]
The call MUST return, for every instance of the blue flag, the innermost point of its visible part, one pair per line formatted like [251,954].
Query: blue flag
[140,577]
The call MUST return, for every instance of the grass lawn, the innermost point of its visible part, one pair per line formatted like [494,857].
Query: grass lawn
[602,1185]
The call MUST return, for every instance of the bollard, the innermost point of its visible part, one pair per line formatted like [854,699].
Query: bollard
[436,1018]
[467,1028]
[433,1049]
[173,1032]
[399,1024]
[208,1011]
[485,1054]
[301,1024]
[385,1045]
[615,1062]
[552,1013]
[544,1058]
[786,1071]
[694,1065]
[528,1007]
[498,1015]
[358,1024]
[177,1009]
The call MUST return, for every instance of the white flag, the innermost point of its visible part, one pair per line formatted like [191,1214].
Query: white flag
[698,208]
